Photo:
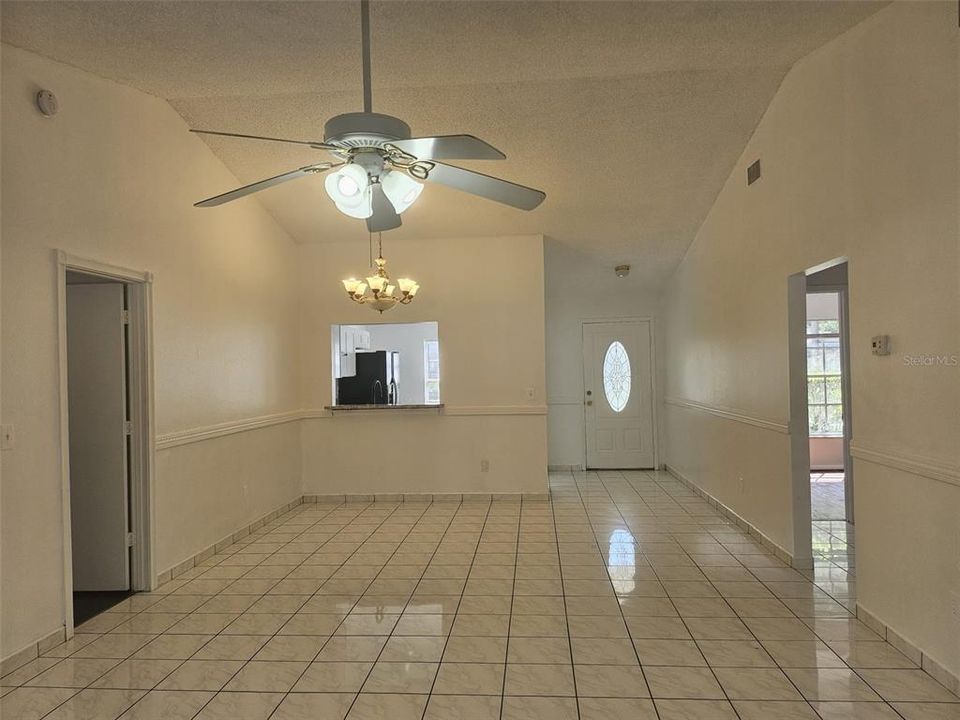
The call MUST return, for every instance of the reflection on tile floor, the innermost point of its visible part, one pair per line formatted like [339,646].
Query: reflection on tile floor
[826,496]
[626,596]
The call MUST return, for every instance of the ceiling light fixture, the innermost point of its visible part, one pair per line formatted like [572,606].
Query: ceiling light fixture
[401,189]
[381,296]
[349,188]
[379,167]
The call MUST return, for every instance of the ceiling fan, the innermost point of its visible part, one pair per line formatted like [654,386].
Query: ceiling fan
[380,168]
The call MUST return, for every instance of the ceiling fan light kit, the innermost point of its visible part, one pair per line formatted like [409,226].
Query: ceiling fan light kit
[380,168]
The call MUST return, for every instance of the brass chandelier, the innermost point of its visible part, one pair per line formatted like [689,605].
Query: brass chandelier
[382,293]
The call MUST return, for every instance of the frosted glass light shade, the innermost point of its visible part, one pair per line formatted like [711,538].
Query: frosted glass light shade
[347,186]
[361,210]
[376,283]
[350,285]
[401,189]
[405,284]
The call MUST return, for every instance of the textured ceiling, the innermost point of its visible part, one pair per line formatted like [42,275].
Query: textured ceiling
[629,115]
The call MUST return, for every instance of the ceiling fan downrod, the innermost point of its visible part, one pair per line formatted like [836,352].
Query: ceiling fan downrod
[365,50]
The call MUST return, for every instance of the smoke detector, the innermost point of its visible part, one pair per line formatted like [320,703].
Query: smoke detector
[47,103]
[622,270]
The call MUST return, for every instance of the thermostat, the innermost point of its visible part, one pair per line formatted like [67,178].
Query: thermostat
[880,344]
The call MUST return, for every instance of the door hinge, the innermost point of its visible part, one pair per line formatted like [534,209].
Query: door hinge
[128,427]
[131,539]
[125,317]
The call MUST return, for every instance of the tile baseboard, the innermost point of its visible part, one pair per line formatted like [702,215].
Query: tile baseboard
[335,499]
[33,650]
[781,553]
[934,669]
[206,553]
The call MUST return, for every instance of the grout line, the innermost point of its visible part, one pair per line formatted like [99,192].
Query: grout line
[606,568]
[325,581]
[566,616]
[426,567]
[513,596]
[463,590]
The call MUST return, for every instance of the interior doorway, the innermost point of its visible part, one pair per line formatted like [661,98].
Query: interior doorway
[830,418]
[618,394]
[821,425]
[106,427]
[98,408]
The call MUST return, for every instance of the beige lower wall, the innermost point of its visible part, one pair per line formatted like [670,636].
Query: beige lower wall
[900,516]
[749,482]
[207,490]
[424,451]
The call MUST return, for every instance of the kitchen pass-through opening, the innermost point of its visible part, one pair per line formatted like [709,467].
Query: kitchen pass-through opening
[386,364]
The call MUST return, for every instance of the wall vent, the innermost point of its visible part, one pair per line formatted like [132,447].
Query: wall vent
[753,173]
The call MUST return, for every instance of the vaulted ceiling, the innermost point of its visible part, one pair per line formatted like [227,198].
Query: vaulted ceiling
[630,115]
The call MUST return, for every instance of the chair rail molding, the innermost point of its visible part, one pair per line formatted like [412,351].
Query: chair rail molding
[208,432]
[941,470]
[732,414]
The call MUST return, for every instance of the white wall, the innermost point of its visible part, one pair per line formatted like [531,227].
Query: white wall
[113,177]
[578,289]
[491,331]
[859,156]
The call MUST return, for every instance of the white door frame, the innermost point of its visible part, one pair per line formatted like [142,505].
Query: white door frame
[140,301]
[797,289]
[654,396]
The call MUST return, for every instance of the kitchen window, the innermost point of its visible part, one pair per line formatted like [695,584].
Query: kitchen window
[431,372]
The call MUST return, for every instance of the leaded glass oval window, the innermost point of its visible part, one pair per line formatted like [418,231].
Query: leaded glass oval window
[616,376]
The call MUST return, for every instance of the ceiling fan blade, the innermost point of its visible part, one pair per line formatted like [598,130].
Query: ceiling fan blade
[310,143]
[449,147]
[264,184]
[384,216]
[502,191]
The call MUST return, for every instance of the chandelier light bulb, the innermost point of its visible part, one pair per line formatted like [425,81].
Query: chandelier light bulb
[401,189]
[382,289]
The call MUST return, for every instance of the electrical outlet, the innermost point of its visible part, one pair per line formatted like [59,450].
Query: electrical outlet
[7,437]
[484,466]
[531,394]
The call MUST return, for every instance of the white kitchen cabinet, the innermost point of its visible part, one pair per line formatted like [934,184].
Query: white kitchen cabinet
[352,338]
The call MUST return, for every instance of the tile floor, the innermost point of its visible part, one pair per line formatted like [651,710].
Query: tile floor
[625,596]
[826,496]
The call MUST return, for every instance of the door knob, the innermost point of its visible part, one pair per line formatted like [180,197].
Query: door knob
[589,402]
[589,393]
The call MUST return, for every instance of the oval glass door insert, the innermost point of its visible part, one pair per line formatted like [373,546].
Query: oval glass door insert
[616,376]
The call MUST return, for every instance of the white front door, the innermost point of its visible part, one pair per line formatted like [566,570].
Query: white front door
[618,387]
[97,409]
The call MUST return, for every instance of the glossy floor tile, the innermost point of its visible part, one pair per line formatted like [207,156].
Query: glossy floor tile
[624,596]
